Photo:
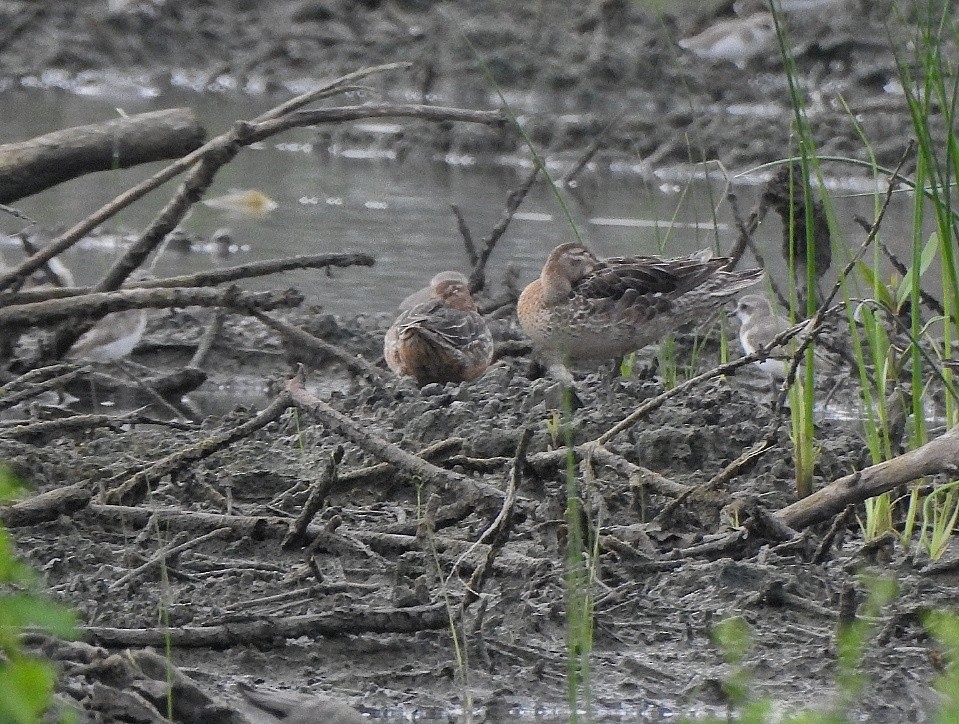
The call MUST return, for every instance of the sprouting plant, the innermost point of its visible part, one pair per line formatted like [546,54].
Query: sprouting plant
[940,513]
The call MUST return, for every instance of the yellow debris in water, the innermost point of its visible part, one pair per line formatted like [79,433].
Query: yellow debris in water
[252,202]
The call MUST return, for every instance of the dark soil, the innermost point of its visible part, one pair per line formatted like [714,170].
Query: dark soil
[380,574]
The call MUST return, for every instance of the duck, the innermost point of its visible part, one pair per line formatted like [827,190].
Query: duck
[585,308]
[439,335]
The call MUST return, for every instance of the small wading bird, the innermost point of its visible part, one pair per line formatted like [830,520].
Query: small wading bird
[583,308]
[439,335]
[115,335]
[737,41]
[760,325]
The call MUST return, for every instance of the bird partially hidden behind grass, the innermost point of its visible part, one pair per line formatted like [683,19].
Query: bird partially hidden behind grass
[585,308]
[738,40]
[759,326]
[439,335]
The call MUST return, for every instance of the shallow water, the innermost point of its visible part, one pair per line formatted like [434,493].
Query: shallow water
[358,199]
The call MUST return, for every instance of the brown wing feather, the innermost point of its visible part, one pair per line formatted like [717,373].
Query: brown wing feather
[643,275]
[454,326]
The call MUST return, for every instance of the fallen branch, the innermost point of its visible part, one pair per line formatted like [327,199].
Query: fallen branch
[423,472]
[98,304]
[31,166]
[271,631]
[134,489]
[937,456]
[354,363]
[207,278]
[179,544]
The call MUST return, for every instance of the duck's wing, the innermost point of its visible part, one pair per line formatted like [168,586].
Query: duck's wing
[647,275]
[444,325]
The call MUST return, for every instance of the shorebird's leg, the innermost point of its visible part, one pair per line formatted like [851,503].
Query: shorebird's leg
[566,386]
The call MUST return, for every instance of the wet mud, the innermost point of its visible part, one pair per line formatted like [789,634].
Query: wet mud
[357,606]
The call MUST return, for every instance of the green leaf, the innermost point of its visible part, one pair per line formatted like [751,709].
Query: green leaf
[25,688]
[20,610]
[928,256]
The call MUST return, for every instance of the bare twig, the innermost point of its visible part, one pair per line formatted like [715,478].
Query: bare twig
[354,363]
[417,468]
[131,489]
[516,197]
[182,542]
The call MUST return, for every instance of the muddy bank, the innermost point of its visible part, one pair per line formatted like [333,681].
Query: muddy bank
[360,614]
[570,73]
[358,605]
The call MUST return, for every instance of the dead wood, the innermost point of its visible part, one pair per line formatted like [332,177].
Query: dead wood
[418,469]
[207,160]
[318,493]
[28,167]
[275,632]
[126,489]
[47,506]
[937,456]
[481,257]
[498,531]
[208,278]
[38,432]
[296,336]
[98,304]
[182,542]
[159,388]
[57,382]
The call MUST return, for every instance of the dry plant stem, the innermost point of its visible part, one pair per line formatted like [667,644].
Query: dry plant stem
[464,230]
[498,531]
[746,231]
[101,303]
[318,492]
[54,383]
[210,334]
[273,631]
[937,456]
[130,490]
[181,542]
[78,231]
[355,364]
[337,86]
[839,524]
[416,468]
[516,197]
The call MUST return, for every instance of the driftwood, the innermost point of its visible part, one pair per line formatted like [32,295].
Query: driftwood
[211,277]
[937,456]
[101,303]
[413,466]
[265,632]
[28,167]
